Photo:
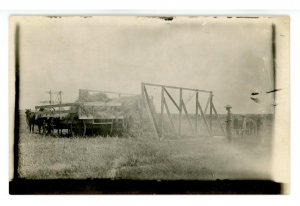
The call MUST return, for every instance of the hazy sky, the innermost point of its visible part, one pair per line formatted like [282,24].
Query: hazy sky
[231,57]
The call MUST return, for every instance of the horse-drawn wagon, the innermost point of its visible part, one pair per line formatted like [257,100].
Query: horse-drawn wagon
[91,114]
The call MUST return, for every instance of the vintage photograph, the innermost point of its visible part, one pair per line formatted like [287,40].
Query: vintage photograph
[150,98]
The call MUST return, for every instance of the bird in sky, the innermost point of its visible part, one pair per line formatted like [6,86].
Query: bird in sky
[255,94]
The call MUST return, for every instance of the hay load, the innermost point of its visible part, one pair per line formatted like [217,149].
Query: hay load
[88,96]
[132,109]
[137,120]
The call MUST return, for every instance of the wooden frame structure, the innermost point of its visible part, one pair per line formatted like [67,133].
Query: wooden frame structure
[181,107]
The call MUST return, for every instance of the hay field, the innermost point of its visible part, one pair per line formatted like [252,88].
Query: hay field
[203,158]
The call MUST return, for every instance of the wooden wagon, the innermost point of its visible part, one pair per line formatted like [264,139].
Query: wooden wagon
[83,118]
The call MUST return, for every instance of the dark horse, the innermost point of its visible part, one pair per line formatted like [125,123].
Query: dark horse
[32,121]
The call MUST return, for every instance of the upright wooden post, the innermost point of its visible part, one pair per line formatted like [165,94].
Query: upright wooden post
[180,111]
[196,118]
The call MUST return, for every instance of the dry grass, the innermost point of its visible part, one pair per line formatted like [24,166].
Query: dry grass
[203,158]
[46,157]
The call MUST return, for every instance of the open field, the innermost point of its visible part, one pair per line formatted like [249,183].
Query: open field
[203,158]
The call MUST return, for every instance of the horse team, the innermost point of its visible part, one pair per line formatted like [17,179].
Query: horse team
[247,126]
[45,125]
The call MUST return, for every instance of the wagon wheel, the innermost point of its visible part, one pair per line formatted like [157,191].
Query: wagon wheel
[78,127]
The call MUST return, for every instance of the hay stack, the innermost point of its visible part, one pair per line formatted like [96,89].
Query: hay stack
[133,109]
[86,96]
[139,124]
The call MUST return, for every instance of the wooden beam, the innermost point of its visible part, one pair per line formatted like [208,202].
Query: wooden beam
[57,105]
[97,104]
[207,103]
[162,113]
[219,121]
[188,118]
[180,110]
[142,106]
[170,118]
[171,98]
[190,98]
[54,112]
[174,87]
[203,116]
[196,120]
[210,111]
[101,104]
[151,112]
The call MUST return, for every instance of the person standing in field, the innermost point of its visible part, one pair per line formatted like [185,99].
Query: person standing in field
[244,126]
[258,127]
[236,125]
[228,122]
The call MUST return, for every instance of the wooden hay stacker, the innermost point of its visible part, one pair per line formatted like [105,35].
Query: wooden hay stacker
[193,118]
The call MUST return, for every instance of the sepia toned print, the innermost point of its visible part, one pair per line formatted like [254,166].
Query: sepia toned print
[150,98]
